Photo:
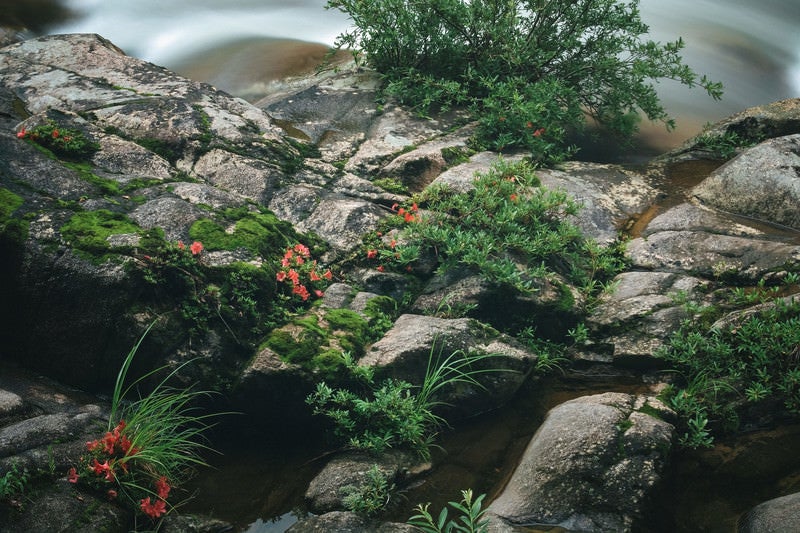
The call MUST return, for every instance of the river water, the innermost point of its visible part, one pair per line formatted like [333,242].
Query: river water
[752,46]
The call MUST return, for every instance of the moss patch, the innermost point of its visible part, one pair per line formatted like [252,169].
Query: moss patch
[260,232]
[88,231]
[13,229]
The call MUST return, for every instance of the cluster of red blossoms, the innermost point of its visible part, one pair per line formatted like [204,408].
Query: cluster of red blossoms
[409,215]
[196,247]
[298,270]
[110,462]
[55,134]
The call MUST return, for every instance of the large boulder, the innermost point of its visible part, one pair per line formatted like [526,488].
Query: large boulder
[589,467]
[763,183]
[417,343]
[779,514]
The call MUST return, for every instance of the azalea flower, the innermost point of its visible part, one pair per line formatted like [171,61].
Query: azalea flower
[313,276]
[513,197]
[72,475]
[21,133]
[181,246]
[196,247]
[319,293]
[92,445]
[380,268]
[154,509]
[328,275]
[372,254]
[281,276]
[55,134]
[392,244]
[112,494]
[162,487]
[538,133]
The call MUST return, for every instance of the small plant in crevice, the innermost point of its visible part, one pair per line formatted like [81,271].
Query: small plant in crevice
[370,497]
[394,413]
[13,485]
[152,443]
[725,145]
[470,517]
[68,143]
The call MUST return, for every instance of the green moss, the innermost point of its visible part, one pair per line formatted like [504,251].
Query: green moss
[651,411]
[88,231]
[11,229]
[171,151]
[260,232]
[294,349]
[392,185]
[455,155]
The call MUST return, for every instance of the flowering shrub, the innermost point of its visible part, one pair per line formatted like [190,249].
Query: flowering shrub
[385,251]
[112,465]
[299,273]
[65,142]
[151,443]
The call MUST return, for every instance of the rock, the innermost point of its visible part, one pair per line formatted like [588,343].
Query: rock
[346,522]
[589,467]
[779,514]
[763,182]
[608,195]
[775,119]
[637,316]
[60,508]
[327,490]
[415,341]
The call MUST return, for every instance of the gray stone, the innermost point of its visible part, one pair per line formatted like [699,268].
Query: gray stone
[780,515]
[763,182]
[589,467]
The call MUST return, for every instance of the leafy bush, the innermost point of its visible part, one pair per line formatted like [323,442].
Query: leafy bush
[731,368]
[391,414]
[546,63]
[508,228]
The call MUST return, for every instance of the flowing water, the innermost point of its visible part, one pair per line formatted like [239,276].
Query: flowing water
[240,45]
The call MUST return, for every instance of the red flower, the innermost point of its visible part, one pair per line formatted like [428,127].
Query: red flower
[313,276]
[302,250]
[103,468]
[408,217]
[380,268]
[21,133]
[372,254]
[392,244]
[92,445]
[181,246]
[319,293]
[162,487]
[294,276]
[513,197]
[538,132]
[196,247]
[112,494]
[301,291]
[328,275]
[154,509]
[55,134]
[414,207]
[395,206]
[72,475]
[109,441]
[281,275]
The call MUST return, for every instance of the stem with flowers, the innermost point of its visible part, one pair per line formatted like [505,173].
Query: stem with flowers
[152,443]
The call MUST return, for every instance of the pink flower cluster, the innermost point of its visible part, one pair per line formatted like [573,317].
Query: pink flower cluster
[298,270]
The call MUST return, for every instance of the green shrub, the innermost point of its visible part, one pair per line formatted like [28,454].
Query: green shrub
[729,369]
[548,63]
[513,232]
[391,414]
